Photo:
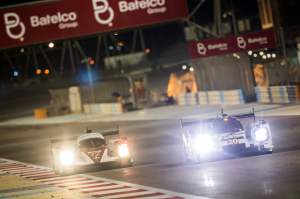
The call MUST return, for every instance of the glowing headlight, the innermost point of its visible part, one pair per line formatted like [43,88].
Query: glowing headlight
[123,150]
[67,157]
[204,144]
[261,134]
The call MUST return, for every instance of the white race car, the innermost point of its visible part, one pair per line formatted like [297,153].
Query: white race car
[105,149]
[225,135]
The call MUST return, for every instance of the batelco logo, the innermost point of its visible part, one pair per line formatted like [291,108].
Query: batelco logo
[202,50]
[104,14]
[102,7]
[13,21]
[241,42]
[151,6]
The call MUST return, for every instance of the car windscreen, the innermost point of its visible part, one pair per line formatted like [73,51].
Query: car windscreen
[218,126]
[92,143]
[229,125]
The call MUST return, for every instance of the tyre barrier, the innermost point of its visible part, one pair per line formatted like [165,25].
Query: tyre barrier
[103,108]
[230,97]
[277,94]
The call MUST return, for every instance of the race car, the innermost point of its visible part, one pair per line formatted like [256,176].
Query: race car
[93,149]
[225,136]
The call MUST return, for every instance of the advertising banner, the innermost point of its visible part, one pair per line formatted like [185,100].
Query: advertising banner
[232,44]
[61,19]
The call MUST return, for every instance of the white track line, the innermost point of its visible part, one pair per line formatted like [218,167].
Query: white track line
[86,186]
[114,192]
[35,175]
[97,189]
[132,195]
[57,178]
[31,171]
[78,183]
[62,182]
[158,197]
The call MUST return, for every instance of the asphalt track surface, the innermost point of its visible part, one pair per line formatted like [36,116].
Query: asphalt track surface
[158,152]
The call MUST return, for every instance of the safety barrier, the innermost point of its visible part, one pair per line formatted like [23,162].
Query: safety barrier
[75,99]
[202,98]
[230,97]
[215,97]
[103,108]
[277,94]
[187,99]
[233,97]
[263,94]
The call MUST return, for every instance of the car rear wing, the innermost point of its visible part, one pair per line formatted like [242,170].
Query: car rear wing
[199,121]
[194,122]
[111,134]
[108,134]
[60,140]
[243,116]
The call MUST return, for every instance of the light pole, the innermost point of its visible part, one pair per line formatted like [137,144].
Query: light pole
[88,67]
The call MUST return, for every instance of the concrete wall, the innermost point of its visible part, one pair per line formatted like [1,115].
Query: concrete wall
[103,90]
[281,75]
[213,73]
[278,76]
[225,73]
[157,81]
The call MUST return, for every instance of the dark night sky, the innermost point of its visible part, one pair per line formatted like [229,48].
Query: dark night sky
[12,2]
[161,41]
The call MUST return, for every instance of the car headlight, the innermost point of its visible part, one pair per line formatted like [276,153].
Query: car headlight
[67,157]
[123,150]
[261,134]
[204,143]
